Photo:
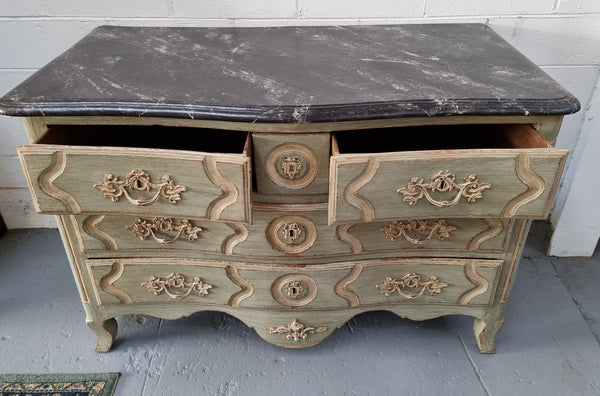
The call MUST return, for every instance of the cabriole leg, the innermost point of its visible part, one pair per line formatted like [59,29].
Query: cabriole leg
[105,330]
[485,333]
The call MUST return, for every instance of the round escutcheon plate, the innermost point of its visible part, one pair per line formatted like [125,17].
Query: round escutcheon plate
[292,234]
[294,290]
[292,165]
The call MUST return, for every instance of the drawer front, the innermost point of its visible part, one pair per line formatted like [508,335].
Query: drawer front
[161,281]
[272,235]
[468,282]
[69,179]
[291,164]
[102,233]
[475,235]
[267,236]
[282,288]
[426,281]
[435,184]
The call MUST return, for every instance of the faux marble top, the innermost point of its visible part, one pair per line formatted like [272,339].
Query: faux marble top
[290,74]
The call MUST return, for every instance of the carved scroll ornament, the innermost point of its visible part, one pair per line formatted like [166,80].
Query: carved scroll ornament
[439,229]
[410,286]
[178,282]
[184,228]
[138,180]
[444,182]
[296,331]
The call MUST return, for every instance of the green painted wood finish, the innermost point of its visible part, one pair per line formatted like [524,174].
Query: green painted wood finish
[520,183]
[477,262]
[62,179]
[105,233]
[312,151]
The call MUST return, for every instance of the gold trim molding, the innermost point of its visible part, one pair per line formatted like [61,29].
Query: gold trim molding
[108,280]
[535,186]
[481,284]
[341,288]
[351,190]
[247,290]
[495,228]
[49,175]
[90,226]
[240,235]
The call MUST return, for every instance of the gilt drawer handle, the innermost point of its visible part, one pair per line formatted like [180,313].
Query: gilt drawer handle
[296,331]
[138,180]
[408,286]
[439,229]
[184,228]
[443,181]
[178,282]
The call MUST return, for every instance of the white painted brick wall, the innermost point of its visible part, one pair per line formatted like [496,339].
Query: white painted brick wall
[561,36]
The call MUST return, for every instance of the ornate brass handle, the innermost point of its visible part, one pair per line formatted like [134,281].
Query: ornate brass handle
[443,181]
[296,331]
[138,180]
[440,229]
[408,286]
[143,229]
[177,281]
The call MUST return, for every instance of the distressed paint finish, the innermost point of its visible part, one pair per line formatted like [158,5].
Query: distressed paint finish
[65,179]
[293,264]
[520,183]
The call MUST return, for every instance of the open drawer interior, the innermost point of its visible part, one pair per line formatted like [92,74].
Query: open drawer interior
[154,137]
[438,137]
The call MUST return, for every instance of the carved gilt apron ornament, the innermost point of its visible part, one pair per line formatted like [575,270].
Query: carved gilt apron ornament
[184,228]
[410,286]
[179,282]
[138,180]
[291,166]
[439,229]
[443,182]
[296,331]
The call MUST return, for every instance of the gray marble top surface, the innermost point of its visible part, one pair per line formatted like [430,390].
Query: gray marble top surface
[290,74]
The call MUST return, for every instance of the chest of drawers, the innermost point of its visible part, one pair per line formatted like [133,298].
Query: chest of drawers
[292,177]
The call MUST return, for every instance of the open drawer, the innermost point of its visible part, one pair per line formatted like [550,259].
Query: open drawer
[150,170]
[442,171]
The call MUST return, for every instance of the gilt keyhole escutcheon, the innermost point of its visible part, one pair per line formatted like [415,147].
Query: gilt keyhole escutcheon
[292,165]
[292,234]
[294,290]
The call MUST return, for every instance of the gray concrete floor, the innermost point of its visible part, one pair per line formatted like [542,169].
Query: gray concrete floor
[549,345]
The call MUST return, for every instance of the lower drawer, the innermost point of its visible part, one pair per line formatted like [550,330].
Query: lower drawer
[160,281]
[425,281]
[284,287]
